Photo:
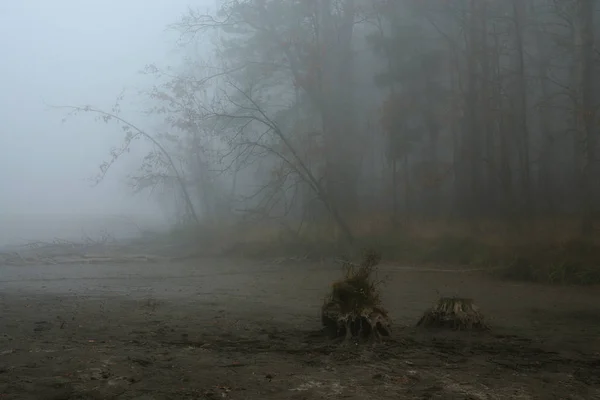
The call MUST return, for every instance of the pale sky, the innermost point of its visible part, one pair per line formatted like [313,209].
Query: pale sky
[73,52]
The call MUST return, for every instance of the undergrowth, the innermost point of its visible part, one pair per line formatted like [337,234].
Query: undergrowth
[357,290]
[353,308]
[527,256]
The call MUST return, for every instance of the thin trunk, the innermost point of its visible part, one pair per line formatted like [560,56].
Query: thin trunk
[394,191]
[337,104]
[388,57]
[521,105]
[584,45]
[407,191]
[546,138]
[472,111]
[504,167]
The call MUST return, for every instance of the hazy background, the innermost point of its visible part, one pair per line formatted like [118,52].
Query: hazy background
[71,52]
[306,117]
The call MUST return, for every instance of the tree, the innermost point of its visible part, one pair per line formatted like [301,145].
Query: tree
[159,157]
[585,108]
[485,110]
[304,46]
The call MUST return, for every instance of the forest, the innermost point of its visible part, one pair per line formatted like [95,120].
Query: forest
[318,199]
[455,131]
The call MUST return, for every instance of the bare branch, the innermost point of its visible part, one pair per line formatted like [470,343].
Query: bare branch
[137,132]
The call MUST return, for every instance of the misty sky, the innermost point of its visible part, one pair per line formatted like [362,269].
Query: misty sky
[73,52]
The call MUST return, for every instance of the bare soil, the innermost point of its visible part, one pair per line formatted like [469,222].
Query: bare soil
[234,329]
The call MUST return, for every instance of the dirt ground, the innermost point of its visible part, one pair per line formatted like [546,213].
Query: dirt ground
[231,329]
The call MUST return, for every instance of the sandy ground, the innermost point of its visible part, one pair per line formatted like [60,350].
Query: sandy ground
[231,329]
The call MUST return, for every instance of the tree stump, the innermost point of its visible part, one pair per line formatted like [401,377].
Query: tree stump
[353,309]
[454,313]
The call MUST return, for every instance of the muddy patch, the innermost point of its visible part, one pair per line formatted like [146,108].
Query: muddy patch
[247,342]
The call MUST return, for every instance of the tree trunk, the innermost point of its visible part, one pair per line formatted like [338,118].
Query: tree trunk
[584,47]
[336,96]
[394,191]
[473,127]
[407,189]
[521,105]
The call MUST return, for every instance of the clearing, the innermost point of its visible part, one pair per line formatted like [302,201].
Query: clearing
[237,329]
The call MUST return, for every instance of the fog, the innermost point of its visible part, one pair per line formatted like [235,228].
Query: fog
[70,52]
[326,115]
[185,184]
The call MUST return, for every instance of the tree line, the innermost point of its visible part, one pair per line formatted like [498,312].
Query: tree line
[308,110]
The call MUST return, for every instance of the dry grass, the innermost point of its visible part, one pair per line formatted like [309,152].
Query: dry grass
[546,250]
[353,309]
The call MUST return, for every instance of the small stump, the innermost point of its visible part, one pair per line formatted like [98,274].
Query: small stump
[454,313]
[353,309]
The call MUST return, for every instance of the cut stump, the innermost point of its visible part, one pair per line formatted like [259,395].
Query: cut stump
[454,313]
[353,309]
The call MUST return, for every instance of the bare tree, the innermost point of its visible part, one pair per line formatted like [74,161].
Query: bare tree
[282,148]
[133,132]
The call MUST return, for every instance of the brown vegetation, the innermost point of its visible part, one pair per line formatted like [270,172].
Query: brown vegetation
[353,310]
[469,126]
[549,251]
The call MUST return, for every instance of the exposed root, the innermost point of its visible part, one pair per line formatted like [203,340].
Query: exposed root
[368,324]
[454,313]
[353,309]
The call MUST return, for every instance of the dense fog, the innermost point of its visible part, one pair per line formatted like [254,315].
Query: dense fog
[69,52]
[300,112]
[285,199]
